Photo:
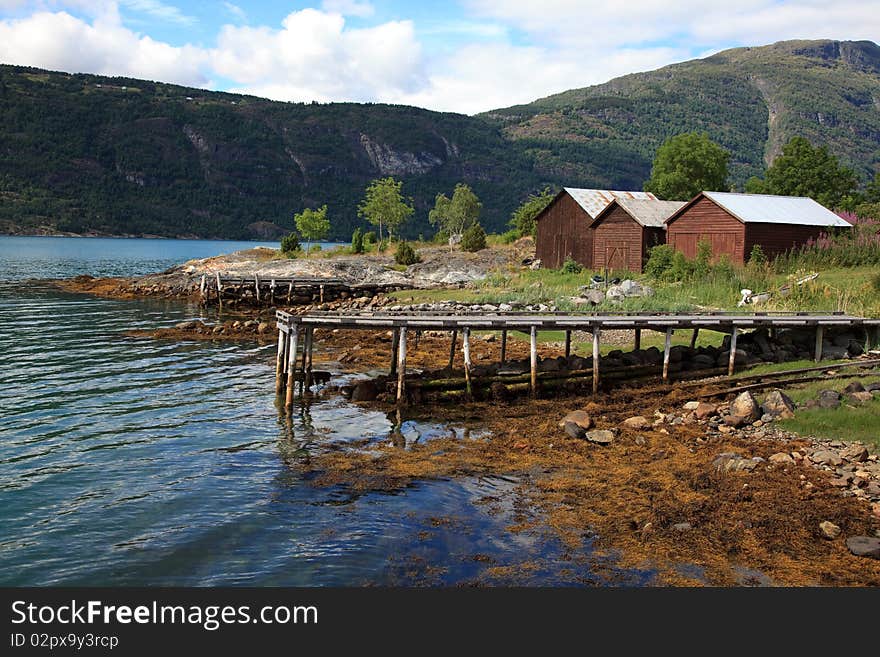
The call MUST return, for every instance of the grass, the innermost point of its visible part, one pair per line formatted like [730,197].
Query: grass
[860,423]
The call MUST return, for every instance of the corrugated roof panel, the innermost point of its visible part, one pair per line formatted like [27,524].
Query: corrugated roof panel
[768,209]
[649,212]
[593,201]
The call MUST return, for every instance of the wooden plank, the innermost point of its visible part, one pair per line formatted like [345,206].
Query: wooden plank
[503,346]
[820,335]
[291,365]
[667,348]
[731,363]
[279,362]
[596,358]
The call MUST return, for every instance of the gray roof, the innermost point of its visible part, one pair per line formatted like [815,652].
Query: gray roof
[649,212]
[767,209]
[593,201]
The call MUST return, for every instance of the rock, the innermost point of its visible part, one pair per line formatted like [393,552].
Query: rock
[828,399]
[730,462]
[723,358]
[614,293]
[781,457]
[263,327]
[574,431]
[705,410]
[864,546]
[592,297]
[745,406]
[636,423]
[691,405]
[855,453]
[841,482]
[778,405]
[600,436]
[682,526]
[187,326]
[855,386]
[580,418]
[640,441]
[734,421]
[829,530]
[826,457]
[860,397]
[365,391]
[873,387]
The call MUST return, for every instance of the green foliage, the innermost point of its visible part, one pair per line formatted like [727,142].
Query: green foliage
[455,215]
[854,247]
[805,170]
[687,164]
[474,238]
[382,245]
[659,262]
[383,203]
[571,267]
[523,219]
[312,224]
[875,282]
[405,254]
[290,244]
[703,261]
[509,236]
[314,248]
[757,258]
[370,238]
[681,270]
[357,241]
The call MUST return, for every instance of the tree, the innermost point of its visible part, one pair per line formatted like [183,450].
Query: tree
[290,244]
[383,203]
[357,241]
[454,216]
[474,238]
[523,218]
[805,170]
[312,224]
[686,165]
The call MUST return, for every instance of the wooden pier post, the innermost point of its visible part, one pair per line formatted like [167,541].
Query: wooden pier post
[395,337]
[321,293]
[401,366]
[279,362]
[596,333]
[731,363]
[291,365]
[219,291]
[466,350]
[452,350]
[203,285]
[533,359]
[637,343]
[567,343]
[272,292]
[503,346]
[667,348]
[310,347]
[289,291]
[257,287]
[694,336]
[302,361]
[820,335]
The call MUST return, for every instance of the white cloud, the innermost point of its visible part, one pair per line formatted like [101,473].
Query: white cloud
[314,57]
[359,8]
[237,12]
[59,41]
[159,10]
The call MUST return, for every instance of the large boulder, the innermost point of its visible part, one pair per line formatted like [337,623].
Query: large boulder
[631,288]
[576,424]
[745,406]
[778,404]
[828,399]
[864,546]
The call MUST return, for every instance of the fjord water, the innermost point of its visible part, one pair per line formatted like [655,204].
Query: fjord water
[132,461]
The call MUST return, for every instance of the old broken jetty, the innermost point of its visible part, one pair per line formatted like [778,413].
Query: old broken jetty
[296,342]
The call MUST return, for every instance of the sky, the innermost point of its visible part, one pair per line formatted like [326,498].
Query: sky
[462,56]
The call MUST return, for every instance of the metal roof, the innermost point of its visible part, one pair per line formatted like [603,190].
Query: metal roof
[649,212]
[593,201]
[768,209]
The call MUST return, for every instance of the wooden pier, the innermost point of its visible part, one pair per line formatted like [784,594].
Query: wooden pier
[296,335]
[258,290]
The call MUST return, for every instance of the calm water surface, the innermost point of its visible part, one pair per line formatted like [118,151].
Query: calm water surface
[130,461]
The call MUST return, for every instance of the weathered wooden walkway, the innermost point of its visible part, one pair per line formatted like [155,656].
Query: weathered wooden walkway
[296,334]
[265,290]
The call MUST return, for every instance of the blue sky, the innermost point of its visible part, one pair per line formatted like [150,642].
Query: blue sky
[466,56]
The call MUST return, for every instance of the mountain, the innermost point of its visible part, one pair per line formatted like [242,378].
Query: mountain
[86,153]
[750,100]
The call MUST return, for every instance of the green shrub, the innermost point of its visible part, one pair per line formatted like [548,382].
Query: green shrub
[703,262]
[382,245]
[315,248]
[473,239]
[682,269]
[757,258]
[290,244]
[509,236]
[369,237]
[875,282]
[406,255]
[571,267]
[357,241]
[659,261]
[723,269]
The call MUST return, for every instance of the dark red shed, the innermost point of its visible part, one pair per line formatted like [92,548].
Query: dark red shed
[625,230]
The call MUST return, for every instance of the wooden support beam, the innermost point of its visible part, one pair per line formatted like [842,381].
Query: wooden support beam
[310,342]
[533,359]
[731,363]
[257,286]
[291,365]
[219,291]
[452,350]
[503,346]
[466,350]
[401,367]
[302,361]
[279,362]
[203,287]
[321,293]
[395,337]
[694,336]
[667,348]
[637,343]
[567,344]
[596,333]
[289,291]
[820,336]
[272,291]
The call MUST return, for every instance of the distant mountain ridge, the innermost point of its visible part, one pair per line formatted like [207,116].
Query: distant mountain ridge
[83,153]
